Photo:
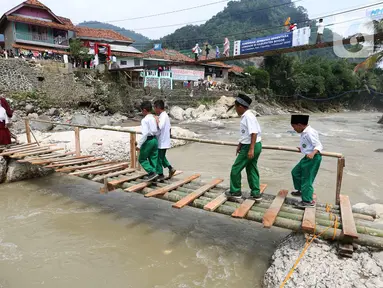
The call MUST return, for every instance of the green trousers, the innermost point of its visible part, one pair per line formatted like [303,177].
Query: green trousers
[162,161]
[304,175]
[149,155]
[252,172]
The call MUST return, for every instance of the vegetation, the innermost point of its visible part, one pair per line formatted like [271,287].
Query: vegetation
[78,51]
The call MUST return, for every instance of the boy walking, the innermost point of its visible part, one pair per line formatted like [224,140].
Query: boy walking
[305,172]
[163,137]
[248,151]
[148,145]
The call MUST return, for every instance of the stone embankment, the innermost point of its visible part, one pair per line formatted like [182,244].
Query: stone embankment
[322,267]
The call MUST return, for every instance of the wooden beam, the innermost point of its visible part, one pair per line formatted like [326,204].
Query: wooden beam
[22,150]
[339,178]
[77,141]
[213,205]
[18,148]
[45,157]
[308,222]
[143,185]
[21,155]
[271,213]
[114,174]
[245,207]
[59,160]
[173,186]
[194,195]
[88,160]
[107,187]
[102,170]
[348,223]
[28,131]
[126,179]
[87,166]
[133,159]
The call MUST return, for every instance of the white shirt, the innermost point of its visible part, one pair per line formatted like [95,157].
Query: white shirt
[163,134]
[114,59]
[3,115]
[249,125]
[310,141]
[320,28]
[148,128]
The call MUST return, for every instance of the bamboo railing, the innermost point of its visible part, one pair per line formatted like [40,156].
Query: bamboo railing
[133,138]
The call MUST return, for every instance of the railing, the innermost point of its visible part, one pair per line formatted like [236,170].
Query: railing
[43,38]
[133,157]
[155,73]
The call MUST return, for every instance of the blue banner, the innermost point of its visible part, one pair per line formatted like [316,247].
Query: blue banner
[272,42]
[157,47]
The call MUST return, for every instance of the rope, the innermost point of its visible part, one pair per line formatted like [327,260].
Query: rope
[308,243]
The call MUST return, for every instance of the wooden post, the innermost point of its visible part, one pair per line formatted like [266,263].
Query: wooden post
[77,141]
[339,178]
[28,131]
[133,156]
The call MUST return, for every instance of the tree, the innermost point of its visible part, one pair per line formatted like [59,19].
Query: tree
[78,51]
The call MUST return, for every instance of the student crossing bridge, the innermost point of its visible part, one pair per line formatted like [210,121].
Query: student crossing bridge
[334,222]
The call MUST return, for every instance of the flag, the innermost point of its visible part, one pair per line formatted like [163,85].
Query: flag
[157,47]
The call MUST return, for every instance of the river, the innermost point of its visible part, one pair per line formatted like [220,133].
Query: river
[59,232]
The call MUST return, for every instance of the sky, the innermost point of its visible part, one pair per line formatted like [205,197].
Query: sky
[111,10]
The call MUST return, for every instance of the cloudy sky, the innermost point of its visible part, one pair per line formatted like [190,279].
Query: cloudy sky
[113,11]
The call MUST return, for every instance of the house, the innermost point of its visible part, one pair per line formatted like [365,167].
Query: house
[32,26]
[104,43]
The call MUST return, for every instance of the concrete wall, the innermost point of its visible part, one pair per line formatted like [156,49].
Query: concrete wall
[129,62]
[34,12]
[8,36]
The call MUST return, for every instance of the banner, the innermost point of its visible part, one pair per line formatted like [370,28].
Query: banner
[157,47]
[187,74]
[297,37]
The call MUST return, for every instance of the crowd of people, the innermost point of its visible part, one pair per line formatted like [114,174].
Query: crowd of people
[28,54]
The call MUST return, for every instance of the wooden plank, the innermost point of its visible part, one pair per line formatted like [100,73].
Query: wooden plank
[114,174]
[339,178]
[28,131]
[271,213]
[348,223]
[194,195]
[126,179]
[143,185]
[245,207]
[17,148]
[107,187]
[308,222]
[26,149]
[46,157]
[36,152]
[78,167]
[77,141]
[88,160]
[173,186]
[213,205]
[60,160]
[102,170]
[133,155]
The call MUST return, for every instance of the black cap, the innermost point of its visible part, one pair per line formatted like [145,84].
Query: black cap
[243,100]
[300,119]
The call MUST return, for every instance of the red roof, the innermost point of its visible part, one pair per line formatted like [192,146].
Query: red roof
[34,3]
[168,54]
[217,64]
[86,32]
[66,26]
[38,48]
[236,69]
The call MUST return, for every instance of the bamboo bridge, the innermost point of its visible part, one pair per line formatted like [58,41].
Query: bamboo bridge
[338,222]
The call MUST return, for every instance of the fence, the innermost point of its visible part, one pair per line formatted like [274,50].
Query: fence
[341,161]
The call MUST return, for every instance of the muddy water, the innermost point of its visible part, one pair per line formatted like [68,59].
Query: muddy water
[58,232]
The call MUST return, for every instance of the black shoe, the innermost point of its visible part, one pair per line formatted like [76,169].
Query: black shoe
[161,178]
[304,205]
[172,171]
[152,177]
[257,198]
[236,196]
[296,193]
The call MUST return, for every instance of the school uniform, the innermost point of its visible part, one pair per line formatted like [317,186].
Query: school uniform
[249,125]
[305,171]
[163,137]
[148,144]
[5,134]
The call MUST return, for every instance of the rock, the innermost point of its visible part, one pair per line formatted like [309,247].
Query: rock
[42,126]
[22,171]
[177,113]
[188,113]
[29,108]
[380,121]
[225,101]
[364,208]
[197,112]
[208,115]
[101,108]
[378,208]
[33,116]
[322,267]
[80,119]
[3,169]
[53,112]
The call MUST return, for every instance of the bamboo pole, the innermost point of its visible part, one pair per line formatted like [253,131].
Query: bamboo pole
[28,131]
[339,178]
[77,141]
[133,140]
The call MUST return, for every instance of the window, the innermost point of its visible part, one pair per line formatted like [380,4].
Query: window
[137,62]
[123,63]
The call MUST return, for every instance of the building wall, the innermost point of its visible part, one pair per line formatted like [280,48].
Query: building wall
[129,62]
[34,12]
[8,36]
[23,33]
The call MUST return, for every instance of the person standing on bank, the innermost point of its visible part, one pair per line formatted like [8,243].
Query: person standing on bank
[306,170]
[5,134]
[320,26]
[248,151]
[163,137]
[148,144]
